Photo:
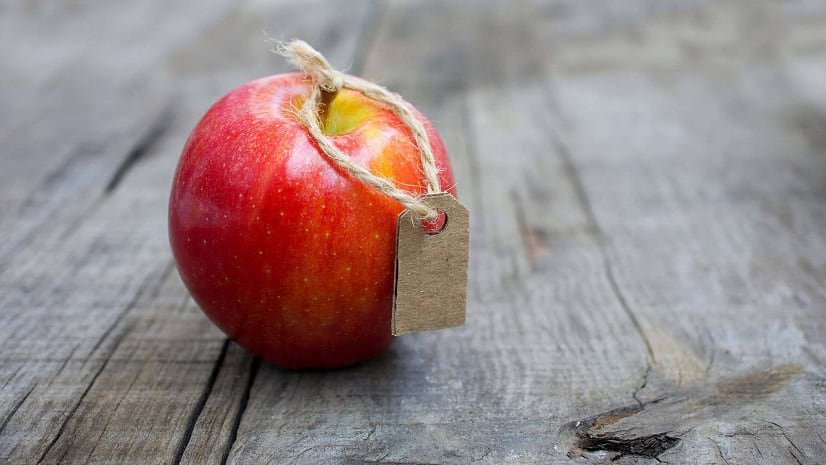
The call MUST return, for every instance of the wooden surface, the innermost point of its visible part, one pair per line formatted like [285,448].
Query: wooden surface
[647,182]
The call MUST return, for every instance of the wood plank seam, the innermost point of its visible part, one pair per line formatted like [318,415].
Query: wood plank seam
[116,343]
[141,148]
[582,196]
[199,406]
[236,424]
[16,407]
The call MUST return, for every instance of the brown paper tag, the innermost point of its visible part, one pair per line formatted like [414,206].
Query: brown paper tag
[431,270]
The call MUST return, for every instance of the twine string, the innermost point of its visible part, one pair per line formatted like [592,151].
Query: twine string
[327,80]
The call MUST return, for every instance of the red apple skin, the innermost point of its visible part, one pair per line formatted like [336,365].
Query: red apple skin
[290,256]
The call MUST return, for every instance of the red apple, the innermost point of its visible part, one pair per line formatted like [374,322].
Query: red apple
[287,254]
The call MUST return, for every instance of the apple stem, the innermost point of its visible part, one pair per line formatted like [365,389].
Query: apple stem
[324,106]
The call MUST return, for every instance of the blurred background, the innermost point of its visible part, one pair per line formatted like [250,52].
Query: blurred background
[647,182]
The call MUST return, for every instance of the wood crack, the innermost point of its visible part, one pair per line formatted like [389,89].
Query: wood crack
[589,437]
[793,447]
[371,432]
[533,240]
[80,400]
[642,385]
[609,271]
[132,303]
[585,202]
[199,406]
[795,457]
[63,364]
[118,339]
[719,451]
[114,412]
[482,457]
[648,429]
[233,436]
[15,408]
[141,148]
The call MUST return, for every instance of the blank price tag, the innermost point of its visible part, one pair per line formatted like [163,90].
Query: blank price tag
[431,269]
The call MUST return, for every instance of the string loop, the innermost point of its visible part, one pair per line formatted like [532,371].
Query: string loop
[326,79]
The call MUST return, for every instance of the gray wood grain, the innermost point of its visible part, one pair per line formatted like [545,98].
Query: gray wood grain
[88,336]
[713,224]
[648,277]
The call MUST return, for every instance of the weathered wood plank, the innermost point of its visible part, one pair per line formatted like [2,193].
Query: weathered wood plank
[85,105]
[104,386]
[149,360]
[710,202]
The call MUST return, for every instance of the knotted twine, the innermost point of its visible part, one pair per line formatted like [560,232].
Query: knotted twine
[326,82]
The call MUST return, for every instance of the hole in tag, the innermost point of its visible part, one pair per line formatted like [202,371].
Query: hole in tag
[435,226]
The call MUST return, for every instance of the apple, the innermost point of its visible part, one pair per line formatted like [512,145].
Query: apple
[291,257]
